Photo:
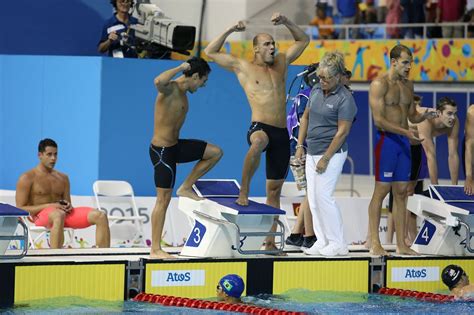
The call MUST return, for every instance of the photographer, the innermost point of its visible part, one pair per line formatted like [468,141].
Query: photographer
[117,37]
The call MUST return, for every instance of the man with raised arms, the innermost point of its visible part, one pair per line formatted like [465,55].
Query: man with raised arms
[263,80]
[391,102]
[166,149]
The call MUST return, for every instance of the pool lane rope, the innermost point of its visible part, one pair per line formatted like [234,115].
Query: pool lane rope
[167,300]
[422,296]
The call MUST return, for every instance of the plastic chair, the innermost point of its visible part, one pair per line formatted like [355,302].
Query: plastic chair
[41,231]
[117,193]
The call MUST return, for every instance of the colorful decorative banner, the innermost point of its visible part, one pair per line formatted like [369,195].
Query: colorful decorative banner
[433,59]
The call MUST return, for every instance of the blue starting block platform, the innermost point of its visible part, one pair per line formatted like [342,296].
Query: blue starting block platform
[448,217]
[222,228]
[9,220]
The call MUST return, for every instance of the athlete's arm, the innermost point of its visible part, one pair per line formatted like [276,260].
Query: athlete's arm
[163,81]
[302,132]
[22,196]
[67,194]
[430,151]
[414,115]
[469,160]
[212,50]
[301,39]
[453,156]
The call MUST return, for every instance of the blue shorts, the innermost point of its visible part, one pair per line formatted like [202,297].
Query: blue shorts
[392,158]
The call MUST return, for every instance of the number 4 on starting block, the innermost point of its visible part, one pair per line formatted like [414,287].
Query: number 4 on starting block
[426,233]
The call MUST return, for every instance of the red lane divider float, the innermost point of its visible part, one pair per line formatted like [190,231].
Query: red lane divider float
[167,300]
[422,296]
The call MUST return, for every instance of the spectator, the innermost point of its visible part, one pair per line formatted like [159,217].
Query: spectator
[381,9]
[393,17]
[418,17]
[329,6]
[406,17]
[368,15]
[322,20]
[348,9]
[431,9]
[412,12]
[469,18]
[117,39]
[45,194]
[451,11]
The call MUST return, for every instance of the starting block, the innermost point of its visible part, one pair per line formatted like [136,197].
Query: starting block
[9,220]
[445,213]
[223,228]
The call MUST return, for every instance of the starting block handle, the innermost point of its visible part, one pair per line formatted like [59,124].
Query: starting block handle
[281,234]
[23,238]
[239,234]
[468,236]
[199,213]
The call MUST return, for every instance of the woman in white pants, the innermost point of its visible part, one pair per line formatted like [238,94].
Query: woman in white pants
[325,125]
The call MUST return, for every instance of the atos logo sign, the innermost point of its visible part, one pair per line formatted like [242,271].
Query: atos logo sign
[177,278]
[415,274]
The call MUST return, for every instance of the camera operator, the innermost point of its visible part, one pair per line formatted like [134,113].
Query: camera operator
[117,37]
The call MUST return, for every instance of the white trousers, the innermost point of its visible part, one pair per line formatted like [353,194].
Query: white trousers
[327,218]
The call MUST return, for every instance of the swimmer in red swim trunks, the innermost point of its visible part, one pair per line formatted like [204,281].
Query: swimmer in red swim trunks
[45,194]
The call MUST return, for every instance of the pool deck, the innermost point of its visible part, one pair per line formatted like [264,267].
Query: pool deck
[120,273]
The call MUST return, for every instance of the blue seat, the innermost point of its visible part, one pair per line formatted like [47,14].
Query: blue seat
[252,208]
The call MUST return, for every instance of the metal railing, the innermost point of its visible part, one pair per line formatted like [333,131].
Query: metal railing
[352,174]
[281,33]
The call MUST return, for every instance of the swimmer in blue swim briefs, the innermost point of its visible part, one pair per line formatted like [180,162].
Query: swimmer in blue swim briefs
[391,102]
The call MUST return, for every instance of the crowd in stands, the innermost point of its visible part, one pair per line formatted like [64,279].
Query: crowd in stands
[392,13]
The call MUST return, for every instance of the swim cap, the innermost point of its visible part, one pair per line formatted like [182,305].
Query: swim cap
[451,275]
[232,285]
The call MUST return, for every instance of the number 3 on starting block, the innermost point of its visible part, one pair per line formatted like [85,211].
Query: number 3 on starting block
[426,234]
[196,235]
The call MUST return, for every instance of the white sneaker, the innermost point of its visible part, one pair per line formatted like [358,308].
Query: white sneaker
[315,249]
[334,250]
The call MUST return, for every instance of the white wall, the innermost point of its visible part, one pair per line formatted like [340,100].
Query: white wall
[220,14]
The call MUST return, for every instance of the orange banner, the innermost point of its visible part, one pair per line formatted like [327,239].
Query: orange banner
[433,59]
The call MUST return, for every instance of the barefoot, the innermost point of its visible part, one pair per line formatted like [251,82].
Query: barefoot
[408,242]
[160,254]
[243,200]
[272,246]
[366,244]
[378,250]
[405,250]
[189,193]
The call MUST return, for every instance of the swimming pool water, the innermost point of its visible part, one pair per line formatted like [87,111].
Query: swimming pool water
[296,300]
